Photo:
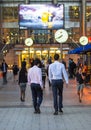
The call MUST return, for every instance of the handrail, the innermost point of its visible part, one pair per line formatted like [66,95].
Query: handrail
[3,47]
[74,41]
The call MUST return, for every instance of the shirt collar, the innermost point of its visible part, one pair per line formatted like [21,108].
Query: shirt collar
[56,61]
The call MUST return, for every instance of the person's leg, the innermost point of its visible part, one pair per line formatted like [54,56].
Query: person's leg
[39,98]
[24,95]
[21,95]
[34,95]
[43,79]
[15,77]
[70,73]
[81,92]
[5,77]
[60,93]
[22,89]
[54,89]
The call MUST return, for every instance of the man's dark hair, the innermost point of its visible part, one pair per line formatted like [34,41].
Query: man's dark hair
[37,61]
[56,56]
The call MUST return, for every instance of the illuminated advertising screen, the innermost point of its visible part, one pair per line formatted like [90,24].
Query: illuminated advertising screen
[41,16]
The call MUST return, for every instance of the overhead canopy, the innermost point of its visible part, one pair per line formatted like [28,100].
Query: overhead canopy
[81,49]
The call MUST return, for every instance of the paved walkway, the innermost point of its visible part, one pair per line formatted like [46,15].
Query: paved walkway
[15,115]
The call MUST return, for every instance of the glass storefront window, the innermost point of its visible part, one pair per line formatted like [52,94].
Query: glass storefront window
[11,35]
[72,20]
[74,13]
[88,13]
[10,14]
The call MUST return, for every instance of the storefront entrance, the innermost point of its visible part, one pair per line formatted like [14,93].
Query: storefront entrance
[44,54]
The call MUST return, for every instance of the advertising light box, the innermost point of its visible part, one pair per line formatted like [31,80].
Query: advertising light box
[41,16]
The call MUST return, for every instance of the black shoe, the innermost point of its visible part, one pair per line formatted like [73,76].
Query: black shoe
[60,110]
[55,113]
[38,110]
[35,112]
[23,100]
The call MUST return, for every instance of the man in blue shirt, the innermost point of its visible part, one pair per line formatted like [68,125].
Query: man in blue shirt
[56,73]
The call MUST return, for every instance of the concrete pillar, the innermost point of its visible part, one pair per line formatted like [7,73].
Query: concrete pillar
[55,1]
[26,1]
[89,65]
[1,31]
[83,18]
[26,31]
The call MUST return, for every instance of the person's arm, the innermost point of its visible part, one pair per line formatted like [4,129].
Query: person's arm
[19,77]
[50,74]
[83,77]
[29,78]
[6,65]
[40,78]
[65,75]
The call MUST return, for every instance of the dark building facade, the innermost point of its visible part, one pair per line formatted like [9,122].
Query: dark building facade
[77,22]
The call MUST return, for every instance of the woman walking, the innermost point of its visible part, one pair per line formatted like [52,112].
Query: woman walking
[23,82]
[80,83]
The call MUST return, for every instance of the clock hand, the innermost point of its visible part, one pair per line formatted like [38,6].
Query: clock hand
[59,37]
[82,40]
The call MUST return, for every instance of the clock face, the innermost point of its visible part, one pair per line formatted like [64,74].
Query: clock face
[28,42]
[61,35]
[83,40]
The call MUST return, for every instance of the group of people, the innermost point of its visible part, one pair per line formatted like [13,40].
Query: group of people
[56,72]
[4,67]
[35,77]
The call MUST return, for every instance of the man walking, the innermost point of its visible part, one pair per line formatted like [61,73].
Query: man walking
[56,73]
[35,81]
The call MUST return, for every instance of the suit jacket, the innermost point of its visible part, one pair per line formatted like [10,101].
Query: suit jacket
[4,67]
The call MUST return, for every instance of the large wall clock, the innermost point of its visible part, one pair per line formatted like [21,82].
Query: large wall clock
[28,42]
[83,40]
[61,35]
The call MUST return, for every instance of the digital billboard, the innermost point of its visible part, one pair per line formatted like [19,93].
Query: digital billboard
[41,16]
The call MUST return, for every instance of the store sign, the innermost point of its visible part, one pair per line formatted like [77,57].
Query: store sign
[89,39]
[17,52]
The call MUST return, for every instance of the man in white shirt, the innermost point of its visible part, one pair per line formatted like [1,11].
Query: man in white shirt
[35,81]
[56,73]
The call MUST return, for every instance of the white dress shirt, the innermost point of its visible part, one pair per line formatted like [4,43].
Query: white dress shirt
[57,71]
[35,75]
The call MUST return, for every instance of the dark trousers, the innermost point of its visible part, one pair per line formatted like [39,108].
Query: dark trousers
[4,77]
[43,79]
[57,88]
[37,95]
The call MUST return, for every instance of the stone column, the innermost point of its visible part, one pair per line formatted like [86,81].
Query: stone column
[83,18]
[26,1]
[89,65]
[55,1]
[1,31]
